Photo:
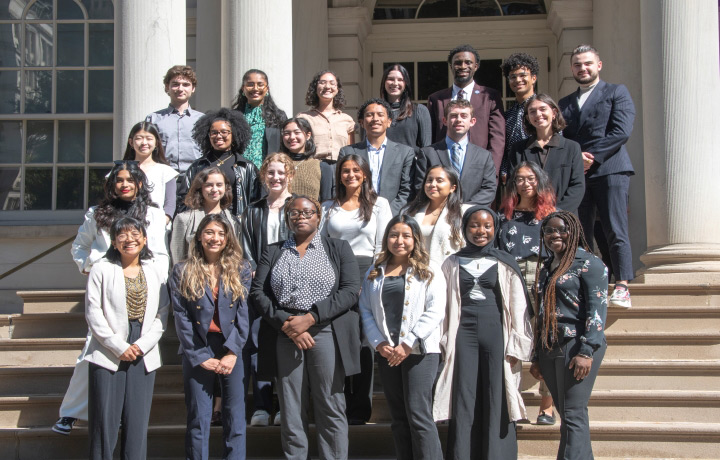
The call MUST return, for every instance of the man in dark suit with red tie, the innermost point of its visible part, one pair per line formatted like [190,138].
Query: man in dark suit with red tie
[489,129]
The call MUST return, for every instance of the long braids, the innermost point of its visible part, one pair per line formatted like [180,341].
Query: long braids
[576,238]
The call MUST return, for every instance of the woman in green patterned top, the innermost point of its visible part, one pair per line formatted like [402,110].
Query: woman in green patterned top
[264,117]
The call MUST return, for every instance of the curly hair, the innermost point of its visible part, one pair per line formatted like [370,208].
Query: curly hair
[121,225]
[419,256]
[368,196]
[311,97]
[294,198]
[385,104]
[158,154]
[462,49]
[238,125]
[545,199]
[194,198]
[576,238]
[305,127]
[113,207]
[558,123]
[280,158]
[407,107]
[197,272]
[184,71]
[271,114]
[518,61]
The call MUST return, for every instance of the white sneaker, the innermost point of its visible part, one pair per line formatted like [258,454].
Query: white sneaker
[64,425]
[620,298]
[277,421]
[260,418]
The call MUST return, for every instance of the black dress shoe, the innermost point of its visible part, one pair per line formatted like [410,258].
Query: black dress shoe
[544,419]
[354,421]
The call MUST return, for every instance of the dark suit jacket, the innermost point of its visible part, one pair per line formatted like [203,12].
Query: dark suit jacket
[564,165]
[192,317]
[273,138]
[489,130]
[334,310]
[396,174]
[477,180]
[602,127]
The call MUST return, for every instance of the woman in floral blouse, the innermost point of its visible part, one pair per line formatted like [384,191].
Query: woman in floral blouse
[570,338]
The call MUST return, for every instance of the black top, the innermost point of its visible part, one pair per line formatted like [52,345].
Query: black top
[486,284]
[415,130]
[393,294]
[514,132]
[520,236]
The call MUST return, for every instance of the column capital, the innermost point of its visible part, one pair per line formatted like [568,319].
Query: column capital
[567,14]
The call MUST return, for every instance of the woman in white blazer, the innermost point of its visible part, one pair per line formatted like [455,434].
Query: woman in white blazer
[402,305]
[125,194]
[438,209]
[126,308]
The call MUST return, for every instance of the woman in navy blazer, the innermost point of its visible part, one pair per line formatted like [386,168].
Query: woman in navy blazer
[209,292]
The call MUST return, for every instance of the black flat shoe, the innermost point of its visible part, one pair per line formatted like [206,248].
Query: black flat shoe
[544,419]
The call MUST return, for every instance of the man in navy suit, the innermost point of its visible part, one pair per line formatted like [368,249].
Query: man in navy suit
[600,117]
[473,164]
[391,164]
[489,130]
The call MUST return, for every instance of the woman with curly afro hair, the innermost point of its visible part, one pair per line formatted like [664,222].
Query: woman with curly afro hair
[222,136]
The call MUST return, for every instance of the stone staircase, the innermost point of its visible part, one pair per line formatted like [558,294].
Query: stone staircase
[657,395]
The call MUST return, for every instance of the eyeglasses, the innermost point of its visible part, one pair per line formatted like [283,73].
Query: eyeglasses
[125,162]
[562,231]
[307,213]
[531,180]
[517,76]
[223,133]
[122,237]
[251,85]
[331,83]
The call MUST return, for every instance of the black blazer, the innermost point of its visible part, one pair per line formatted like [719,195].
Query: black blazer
[564,165]
[477,179]
[254,231]
[396,174]
[602,127]
[192,318]
[273,139]
[334,310]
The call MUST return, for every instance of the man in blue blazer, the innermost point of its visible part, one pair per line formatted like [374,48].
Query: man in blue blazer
[391,163]
[600,117]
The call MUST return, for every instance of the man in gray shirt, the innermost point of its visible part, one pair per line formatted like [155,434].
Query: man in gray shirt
[176,122]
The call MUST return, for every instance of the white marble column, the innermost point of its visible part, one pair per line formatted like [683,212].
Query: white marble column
[310,46]
[149,39]
[258,35]
[682,155]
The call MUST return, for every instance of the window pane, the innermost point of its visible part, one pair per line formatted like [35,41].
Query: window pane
[490,74]
[10,91]
[69,91]
[42,9]
[96,182]
[70,41]
[39,142]
[432,76]
[479,8]
[101,134]
[10,141]
[39,45]
[101,44]
[439,9]
[71,142]
[68,9]
[100,91]
[70,188]
[12,9]
[394,13]
[9,189]
[38,91]
[99,9]
[514,7]
[10,44]
[38,188]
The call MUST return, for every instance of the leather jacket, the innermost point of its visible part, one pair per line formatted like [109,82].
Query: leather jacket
[254,231]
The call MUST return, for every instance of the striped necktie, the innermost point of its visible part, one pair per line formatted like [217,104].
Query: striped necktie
[456,160]
[461,95]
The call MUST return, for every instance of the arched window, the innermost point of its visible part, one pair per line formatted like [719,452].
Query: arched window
[423,9]
[56,102]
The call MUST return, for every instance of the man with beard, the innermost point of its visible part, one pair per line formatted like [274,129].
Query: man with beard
[600,117]
[489,130]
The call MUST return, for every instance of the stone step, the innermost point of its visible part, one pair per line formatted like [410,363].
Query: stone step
[53,301]
[610,439]
[59,325]
[6,326]
[663,345]
[650,294]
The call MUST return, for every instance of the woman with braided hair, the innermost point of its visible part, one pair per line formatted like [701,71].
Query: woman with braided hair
[570,341]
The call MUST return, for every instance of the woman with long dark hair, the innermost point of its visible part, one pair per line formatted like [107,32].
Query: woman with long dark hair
[263,116]
[529,198]
[126,308]
[312,177]
[487,333]
[332,128]
[144,146]
[411,122]
[209,297]
[438,209]
[359,216]
[570,339]
[402,304]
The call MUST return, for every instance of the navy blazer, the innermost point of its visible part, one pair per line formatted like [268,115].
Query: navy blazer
[477,179]
[192,317]
[602,127]
[396,173]
[334,310]
[564,165]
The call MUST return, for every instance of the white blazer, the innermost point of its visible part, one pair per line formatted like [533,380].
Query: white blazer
[91,244]
[107,317]
[441,246]
[423,310]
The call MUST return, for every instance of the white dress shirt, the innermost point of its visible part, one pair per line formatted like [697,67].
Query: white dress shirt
[376,160]
[468,90]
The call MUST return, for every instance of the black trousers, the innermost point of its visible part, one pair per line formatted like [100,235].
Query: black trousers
[124,395]
[571,397]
